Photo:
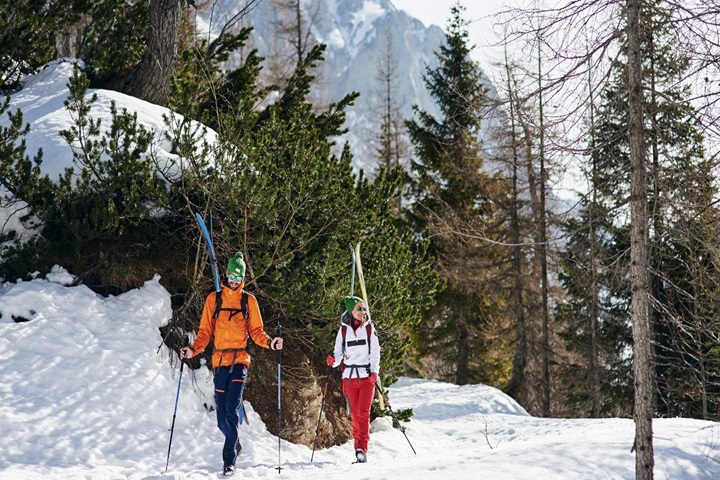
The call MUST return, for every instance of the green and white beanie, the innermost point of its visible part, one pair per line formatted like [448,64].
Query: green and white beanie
[236,266]
[350,303]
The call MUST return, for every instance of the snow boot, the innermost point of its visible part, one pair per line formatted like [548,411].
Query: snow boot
[360,455]
[229,470]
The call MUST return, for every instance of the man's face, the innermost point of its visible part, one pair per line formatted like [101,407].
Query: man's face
[234,281]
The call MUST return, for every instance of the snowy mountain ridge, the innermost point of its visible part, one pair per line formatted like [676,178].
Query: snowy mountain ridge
[358,33]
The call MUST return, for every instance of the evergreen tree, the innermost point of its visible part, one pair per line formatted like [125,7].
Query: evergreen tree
[91,215]
[28,31]
[273,188]
[455,206]
[597,378]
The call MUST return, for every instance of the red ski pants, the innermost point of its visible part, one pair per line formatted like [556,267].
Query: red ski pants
[359,392]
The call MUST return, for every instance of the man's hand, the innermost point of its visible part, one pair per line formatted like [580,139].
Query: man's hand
[276,343]
[186,352]
[330,360]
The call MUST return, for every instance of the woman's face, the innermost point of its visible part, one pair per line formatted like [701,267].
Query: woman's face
[359,311]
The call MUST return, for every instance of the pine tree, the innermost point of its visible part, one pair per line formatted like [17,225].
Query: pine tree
[91,215]
[274,189]
[28,30]
[455,206]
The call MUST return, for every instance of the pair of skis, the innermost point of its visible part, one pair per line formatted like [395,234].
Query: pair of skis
[378,386]
[357,266]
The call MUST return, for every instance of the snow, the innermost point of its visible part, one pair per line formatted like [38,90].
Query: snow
[41,101]
[88,393]
[363,20]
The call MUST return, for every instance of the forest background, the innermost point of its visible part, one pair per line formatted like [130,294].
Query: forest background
[476,273]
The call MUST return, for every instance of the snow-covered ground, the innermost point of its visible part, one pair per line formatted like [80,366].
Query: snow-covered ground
[87,392]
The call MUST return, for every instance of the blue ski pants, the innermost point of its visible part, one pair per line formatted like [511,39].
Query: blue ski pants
[229,388]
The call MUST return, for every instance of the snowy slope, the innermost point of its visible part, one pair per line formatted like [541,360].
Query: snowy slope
[88,393]
[41,101]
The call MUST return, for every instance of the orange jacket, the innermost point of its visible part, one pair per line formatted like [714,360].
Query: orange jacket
[230,333]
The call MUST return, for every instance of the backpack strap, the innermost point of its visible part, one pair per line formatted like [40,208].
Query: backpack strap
[368,329]
[243,308]
[354,368]
[245,312]
[246,315]
[218,305]
[343,329]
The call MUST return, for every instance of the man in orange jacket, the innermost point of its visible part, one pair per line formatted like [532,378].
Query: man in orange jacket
[232,323]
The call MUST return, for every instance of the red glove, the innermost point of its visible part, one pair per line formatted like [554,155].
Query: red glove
[373,377]
[330,360]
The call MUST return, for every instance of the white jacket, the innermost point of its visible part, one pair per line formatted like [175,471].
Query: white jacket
[357,359]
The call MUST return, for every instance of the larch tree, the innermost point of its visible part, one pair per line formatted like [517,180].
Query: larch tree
[392,149]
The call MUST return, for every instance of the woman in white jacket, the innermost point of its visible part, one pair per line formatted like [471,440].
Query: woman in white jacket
[358,349]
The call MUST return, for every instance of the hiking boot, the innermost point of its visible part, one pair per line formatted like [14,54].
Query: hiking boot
[228,470]
[360,455]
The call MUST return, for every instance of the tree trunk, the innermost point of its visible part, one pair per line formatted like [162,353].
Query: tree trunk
[151,79]
[542,251]
[594,287]
[519,367]
[462,375]
[639,262]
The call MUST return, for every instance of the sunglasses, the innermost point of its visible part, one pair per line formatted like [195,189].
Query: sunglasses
[361,309]
[232,276]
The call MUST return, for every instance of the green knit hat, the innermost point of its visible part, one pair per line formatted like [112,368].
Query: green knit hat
[236,265]
[350,302]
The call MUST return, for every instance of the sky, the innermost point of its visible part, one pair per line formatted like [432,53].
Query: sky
[88,391]
[483,17]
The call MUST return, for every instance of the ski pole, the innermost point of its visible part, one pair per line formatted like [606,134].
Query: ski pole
[177,396]
[322,404]
[279,357]
[401,428]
